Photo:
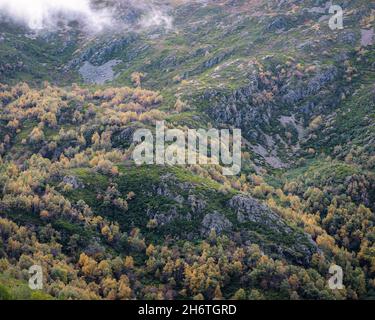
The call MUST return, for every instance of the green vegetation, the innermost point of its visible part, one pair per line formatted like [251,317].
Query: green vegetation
[73,201]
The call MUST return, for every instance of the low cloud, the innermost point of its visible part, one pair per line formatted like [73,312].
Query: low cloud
[153,14]
[51,14]
[156,17]
[43,14]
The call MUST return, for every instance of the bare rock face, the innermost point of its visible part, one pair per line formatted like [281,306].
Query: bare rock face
[98,74]
[277,24]
[74,182]
[288,242]
[215,221]
[101,53]
[123,137]
[367,37]
[197,204]
[313,87]
[249,209]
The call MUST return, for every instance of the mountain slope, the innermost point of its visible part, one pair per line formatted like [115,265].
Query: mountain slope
[73,201]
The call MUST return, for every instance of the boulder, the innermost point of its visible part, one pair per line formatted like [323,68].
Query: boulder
[215,221]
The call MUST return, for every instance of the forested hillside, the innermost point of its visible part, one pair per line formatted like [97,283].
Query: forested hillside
[73,201]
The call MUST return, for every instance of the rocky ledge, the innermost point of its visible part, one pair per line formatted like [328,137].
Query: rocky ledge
[287,241]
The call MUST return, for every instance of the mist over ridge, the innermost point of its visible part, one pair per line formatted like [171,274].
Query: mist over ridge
[94,16]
